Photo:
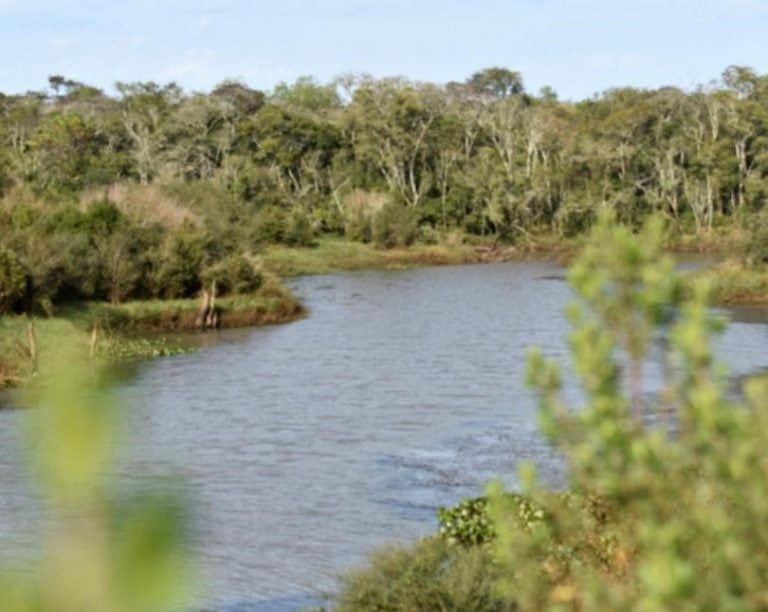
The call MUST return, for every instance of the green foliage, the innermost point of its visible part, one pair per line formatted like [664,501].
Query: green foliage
[299,231]
[270,225]
[394,226]
[470,522]
[755,247]
[466,523]
[360,208]
[181,264]
[496,82]
[120,350]
[13,281]
[431,575]
[101,217]
[391,163]
[680,482]
[305,92]
[235,274]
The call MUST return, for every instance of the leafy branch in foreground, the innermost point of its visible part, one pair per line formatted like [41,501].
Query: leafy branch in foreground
[102,549]
[682,478]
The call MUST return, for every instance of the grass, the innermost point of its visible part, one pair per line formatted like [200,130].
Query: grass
[273,303]
[333,254]
[734,283]
[17,364]
[427,575]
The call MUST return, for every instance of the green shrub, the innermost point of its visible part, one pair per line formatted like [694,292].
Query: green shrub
[270,225]
[178,272]
[22,216]
[68,219]
[754,250]
[675,488]
[236,274]
[13,281]
[102,217]
[428,235]
[466,523]
[395,225]
[360,209]
[430,575]
[470,523]
[299,230]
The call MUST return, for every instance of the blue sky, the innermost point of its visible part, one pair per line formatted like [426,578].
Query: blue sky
[579,47]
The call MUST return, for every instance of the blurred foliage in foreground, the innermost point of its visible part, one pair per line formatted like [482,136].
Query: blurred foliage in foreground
[668,496]
[103,550]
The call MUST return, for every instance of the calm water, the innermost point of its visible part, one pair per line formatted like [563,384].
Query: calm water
[306,445]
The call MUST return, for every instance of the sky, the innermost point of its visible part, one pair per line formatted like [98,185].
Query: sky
[578,47]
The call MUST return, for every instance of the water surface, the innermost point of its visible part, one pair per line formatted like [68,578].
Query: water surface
[306,445]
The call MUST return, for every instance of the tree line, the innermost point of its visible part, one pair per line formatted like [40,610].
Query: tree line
[153,176]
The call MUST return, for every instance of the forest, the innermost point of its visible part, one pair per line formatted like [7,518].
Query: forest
[152,191]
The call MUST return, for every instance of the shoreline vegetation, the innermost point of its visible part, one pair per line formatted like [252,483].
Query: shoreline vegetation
[139,329]
[131,330]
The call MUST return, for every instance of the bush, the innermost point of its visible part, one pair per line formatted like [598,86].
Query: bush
[395,226]
[64,267]
[680,483]
[431,575]
[754,250]
[270,225]
[102,218]
[13,281]
[360,209]
[470,523]
[236,274]
[299,230]
[178,272]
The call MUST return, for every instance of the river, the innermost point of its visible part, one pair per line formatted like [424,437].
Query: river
[306,445]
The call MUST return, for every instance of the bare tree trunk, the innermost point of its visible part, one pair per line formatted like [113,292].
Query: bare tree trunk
[202,314]
[212,318]
[32,340]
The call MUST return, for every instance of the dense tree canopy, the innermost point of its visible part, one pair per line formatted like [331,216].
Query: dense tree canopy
[481,158]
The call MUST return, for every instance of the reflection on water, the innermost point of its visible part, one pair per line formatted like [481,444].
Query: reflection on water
[308,444]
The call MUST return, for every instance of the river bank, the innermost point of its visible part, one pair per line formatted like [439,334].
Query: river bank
[334,255]
[134,330]
[131,330]
[732,282]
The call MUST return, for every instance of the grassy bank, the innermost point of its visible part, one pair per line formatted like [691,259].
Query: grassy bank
[735,283]
[273,303]
[330,255]
[133,330]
